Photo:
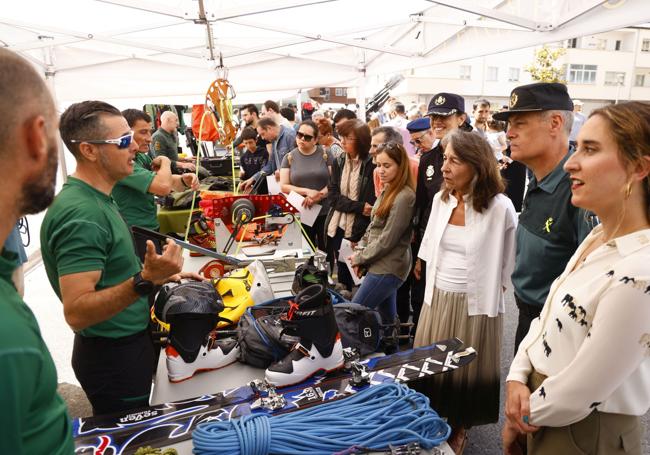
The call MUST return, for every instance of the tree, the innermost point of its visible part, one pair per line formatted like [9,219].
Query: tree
[543,69]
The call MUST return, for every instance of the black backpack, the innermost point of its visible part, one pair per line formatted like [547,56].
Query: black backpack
[262,341]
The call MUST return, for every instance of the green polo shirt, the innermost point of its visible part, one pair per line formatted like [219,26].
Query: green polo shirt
[82,232]
[34,418]
[549,231]
[164,143]
[132,196]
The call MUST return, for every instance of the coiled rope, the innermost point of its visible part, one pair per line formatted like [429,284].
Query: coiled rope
[383,415]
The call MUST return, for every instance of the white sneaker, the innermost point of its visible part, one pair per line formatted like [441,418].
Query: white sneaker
[302,363]
[211,356]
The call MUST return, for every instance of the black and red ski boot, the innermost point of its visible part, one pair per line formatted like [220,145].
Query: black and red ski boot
[311,319]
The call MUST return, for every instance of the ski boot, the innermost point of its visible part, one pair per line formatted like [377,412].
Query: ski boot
[311,319]
[212,355]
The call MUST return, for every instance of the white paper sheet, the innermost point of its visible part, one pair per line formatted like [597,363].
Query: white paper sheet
[307,215]
[272,184]
[344,256]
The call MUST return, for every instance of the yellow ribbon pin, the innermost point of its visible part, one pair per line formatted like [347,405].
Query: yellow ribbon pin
[547,224]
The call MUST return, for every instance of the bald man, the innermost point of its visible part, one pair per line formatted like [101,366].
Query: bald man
[165,142]
[34,418]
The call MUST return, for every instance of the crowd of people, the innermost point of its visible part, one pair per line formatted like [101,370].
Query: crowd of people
[428,200]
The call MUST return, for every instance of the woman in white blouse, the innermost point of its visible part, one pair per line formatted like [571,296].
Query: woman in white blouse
[469,249]
[581,376]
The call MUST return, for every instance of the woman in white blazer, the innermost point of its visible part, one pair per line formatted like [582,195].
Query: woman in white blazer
[469,248]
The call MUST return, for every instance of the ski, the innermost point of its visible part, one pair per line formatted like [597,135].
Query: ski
[168,423]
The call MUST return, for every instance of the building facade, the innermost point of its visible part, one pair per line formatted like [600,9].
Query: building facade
[599,69]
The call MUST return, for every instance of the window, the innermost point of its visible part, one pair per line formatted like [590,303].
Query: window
[639,80]
[645,45]
[572,43]
[492,73]
[341,91]
[513,75]
[465,71]
[582,74]
[614,78]
[617,47]
[601,44]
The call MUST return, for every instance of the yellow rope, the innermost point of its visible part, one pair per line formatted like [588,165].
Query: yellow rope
[196,171]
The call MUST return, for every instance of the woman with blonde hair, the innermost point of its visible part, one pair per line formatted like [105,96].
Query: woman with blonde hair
[581,377]
[384,253]
[469,248]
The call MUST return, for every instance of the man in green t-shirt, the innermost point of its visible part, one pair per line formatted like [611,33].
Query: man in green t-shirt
[135,193]
[34,418]
[165,143]
[91,263]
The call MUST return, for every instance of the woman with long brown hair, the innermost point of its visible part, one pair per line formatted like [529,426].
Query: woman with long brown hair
[581,377]
[469,248]
[384,253]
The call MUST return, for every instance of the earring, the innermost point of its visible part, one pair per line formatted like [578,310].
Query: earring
[628,190]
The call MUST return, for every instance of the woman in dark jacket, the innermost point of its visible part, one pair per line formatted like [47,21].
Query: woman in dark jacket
[351,193]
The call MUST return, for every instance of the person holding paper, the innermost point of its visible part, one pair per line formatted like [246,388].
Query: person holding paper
[384,252]
[306,170]
[351,193]
[469,249]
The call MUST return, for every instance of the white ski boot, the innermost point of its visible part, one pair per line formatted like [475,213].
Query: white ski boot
[212,355]
[311,318]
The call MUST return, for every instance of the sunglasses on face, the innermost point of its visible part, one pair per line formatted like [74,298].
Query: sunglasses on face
[306,137]
[121,142]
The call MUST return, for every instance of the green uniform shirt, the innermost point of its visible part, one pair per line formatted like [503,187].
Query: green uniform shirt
[164,143]
[82,232]
[132,196]
[34,418]
[549,231]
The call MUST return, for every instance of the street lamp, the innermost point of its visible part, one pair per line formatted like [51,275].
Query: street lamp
[620,79]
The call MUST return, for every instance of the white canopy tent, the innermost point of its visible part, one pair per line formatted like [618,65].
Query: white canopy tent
[166,51]
[129,52]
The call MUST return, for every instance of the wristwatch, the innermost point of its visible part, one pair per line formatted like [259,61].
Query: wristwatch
[141,286]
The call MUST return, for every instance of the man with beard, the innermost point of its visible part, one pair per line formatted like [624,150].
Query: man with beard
[92,265]
[34,417]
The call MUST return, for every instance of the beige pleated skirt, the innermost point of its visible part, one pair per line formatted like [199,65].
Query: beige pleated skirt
[470,395]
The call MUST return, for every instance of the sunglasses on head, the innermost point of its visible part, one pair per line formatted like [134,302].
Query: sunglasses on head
[306,137]
[121,142]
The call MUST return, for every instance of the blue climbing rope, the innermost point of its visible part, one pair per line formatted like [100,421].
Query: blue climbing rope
[383,415]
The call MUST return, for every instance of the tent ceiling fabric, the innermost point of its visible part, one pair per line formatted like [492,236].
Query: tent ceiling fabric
[114,49]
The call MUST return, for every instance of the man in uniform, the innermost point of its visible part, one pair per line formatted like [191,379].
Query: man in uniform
[165,142]
[91,263]
[135,193]
[550,228]
[34,418]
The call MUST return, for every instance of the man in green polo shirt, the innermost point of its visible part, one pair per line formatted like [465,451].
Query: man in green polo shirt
[34,418]
[550,228]
[92,266]
[135,193]
[165,143]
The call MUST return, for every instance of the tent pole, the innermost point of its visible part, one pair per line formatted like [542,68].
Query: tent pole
[50,73]
[299,105]
[361,94]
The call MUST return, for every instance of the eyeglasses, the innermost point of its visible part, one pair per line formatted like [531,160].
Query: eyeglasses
[121,142]
[306,137]
[418,141]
